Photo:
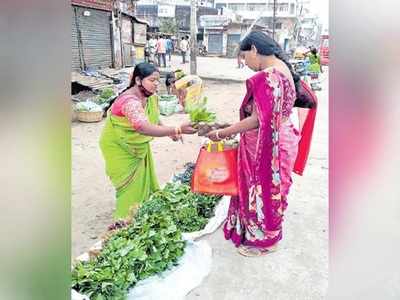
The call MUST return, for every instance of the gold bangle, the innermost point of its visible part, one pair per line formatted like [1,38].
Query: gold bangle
[178,131]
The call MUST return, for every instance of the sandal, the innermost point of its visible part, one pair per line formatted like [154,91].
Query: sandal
[249,251]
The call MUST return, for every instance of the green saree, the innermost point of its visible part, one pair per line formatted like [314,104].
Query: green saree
[129,161]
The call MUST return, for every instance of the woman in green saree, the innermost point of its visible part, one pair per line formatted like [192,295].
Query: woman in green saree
[132,123]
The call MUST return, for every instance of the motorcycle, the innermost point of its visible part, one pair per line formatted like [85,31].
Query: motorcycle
[203,51]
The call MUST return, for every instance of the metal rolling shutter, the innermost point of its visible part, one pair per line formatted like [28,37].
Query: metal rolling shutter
[76,65]
[215,43]
[96,37]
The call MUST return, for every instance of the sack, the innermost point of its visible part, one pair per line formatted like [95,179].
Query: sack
[168,108]
[216,171]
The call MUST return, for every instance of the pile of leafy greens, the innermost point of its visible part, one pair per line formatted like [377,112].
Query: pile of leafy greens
[189,211]
[151,244]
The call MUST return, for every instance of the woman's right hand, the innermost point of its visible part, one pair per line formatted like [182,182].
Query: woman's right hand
[187,128]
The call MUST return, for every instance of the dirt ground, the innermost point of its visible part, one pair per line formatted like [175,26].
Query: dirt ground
[297,271]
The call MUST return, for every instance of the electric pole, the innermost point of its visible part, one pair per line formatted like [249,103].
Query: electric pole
[193,39]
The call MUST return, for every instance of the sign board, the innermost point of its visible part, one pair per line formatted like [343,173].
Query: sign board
[139,33]
[214,20]
[166,11]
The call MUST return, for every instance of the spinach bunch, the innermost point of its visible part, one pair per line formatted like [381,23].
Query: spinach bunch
[149,246]
[201,114]
[198,113]
[206,205]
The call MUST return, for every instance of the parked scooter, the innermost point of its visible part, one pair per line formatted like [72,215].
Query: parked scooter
[203,51]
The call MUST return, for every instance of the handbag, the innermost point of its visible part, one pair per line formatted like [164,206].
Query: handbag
[216,171]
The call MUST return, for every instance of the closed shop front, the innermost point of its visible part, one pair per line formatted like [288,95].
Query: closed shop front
[91,38]
[215,43]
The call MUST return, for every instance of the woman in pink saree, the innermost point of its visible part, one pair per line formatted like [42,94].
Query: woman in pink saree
[268,147]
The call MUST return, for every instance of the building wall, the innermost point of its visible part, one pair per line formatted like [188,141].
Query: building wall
[148,13]
[251,9]
[205,3]
[182,15]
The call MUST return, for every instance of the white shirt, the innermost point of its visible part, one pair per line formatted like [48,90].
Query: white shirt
[184,45]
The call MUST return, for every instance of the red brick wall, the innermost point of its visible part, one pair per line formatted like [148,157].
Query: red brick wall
[98,4]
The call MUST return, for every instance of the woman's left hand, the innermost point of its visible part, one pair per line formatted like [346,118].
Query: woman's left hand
[212,135]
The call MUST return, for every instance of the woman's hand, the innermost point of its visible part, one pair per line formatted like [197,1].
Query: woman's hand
[187,128]
[215,135]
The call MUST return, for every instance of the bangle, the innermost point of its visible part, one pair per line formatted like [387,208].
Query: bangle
[217,134]
[178,130]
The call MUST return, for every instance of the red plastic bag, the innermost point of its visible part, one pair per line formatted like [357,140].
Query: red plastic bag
[216,172]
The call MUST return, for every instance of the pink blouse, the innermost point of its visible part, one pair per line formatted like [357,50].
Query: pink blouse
[130,107]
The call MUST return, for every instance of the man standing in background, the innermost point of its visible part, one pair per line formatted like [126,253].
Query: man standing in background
[170,47]
[152,49]
[161,50]
[184,45]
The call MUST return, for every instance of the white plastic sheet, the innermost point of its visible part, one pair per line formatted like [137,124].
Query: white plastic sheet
[176,283]
[173,284]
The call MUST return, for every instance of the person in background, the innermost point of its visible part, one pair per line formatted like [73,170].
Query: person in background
[184,47]
[239,57]
[161,50]
[169,48]
[314,68]
[170,80]
[147,50]
[152,49]
[132,123]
